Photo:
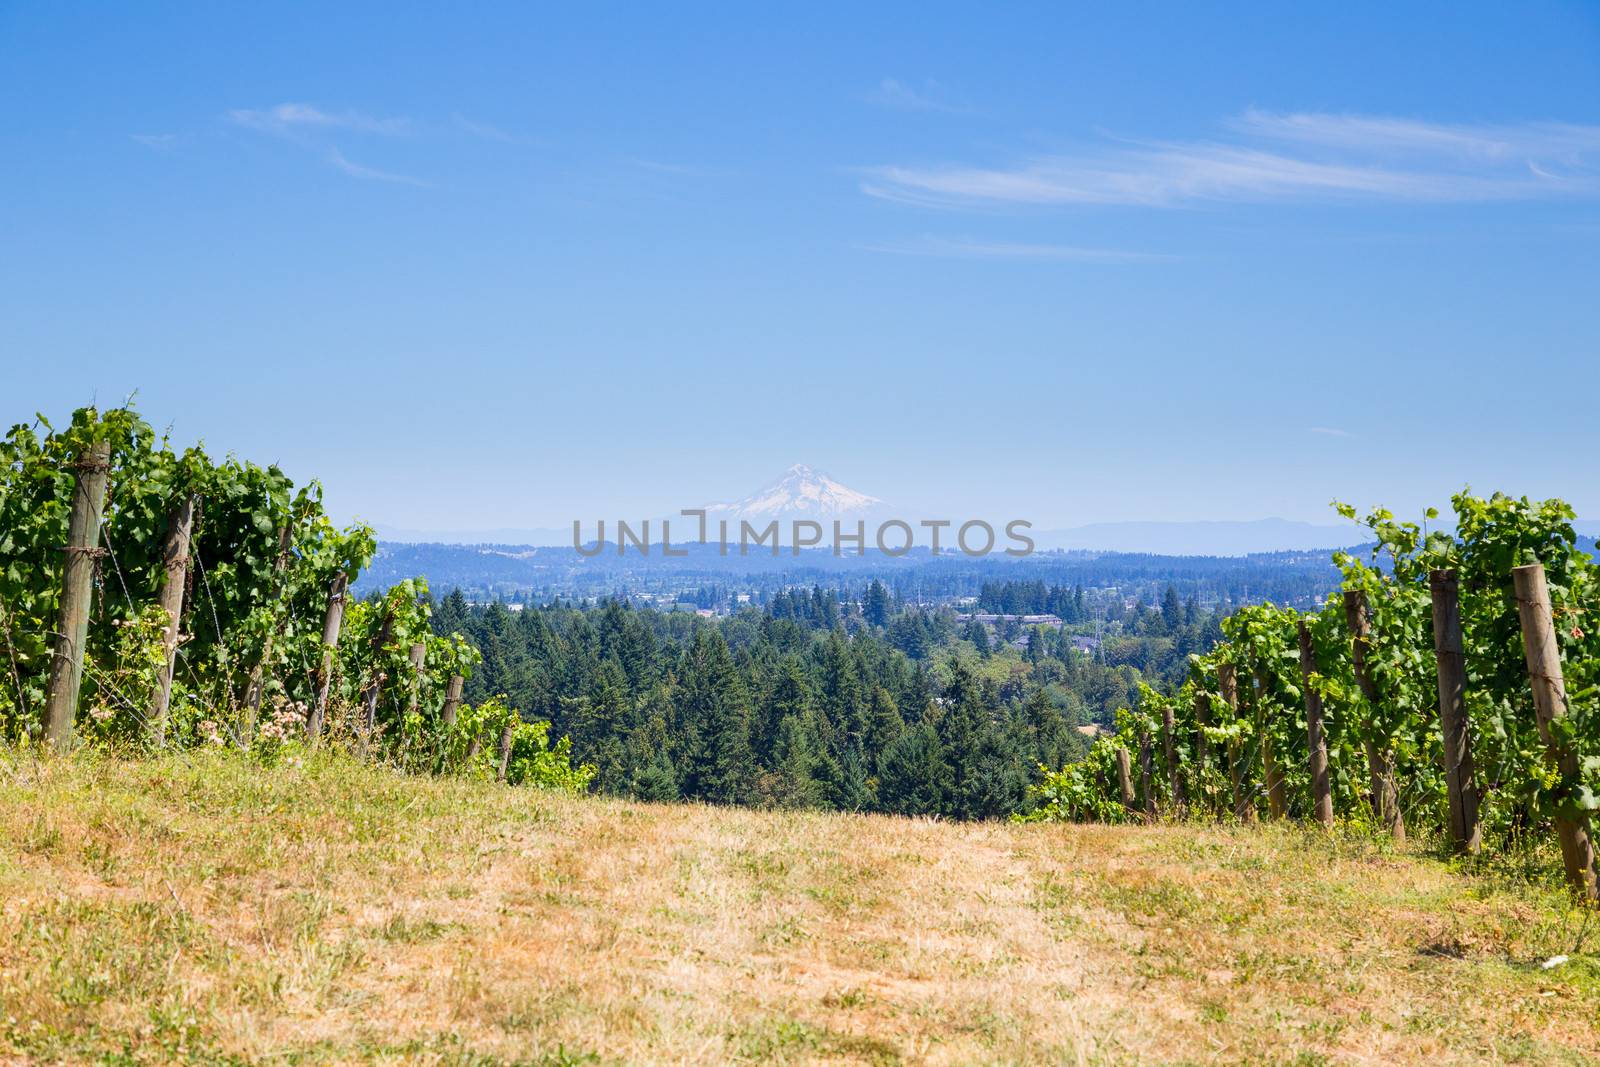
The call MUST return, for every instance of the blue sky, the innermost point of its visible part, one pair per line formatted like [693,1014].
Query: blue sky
[510,265]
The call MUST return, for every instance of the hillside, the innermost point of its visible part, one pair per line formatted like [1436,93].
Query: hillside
[199,909]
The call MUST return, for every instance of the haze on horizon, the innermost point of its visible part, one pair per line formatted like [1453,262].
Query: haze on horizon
[506,267]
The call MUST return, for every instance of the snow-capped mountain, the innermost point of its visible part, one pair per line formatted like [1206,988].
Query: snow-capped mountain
[799,492]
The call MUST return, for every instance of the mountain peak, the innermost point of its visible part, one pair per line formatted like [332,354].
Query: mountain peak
[801,492]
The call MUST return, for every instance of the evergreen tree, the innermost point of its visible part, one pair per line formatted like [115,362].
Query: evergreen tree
[787,696]
[714,711]
[875,605]
[978,634]
[795,759]
[912,773]
[883,722]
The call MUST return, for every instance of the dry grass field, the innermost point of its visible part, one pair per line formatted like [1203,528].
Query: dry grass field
[197,909]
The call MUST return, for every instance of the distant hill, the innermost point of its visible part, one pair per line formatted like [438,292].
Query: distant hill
[1224,538]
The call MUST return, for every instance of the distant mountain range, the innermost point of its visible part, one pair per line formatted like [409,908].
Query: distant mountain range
[802,492]
[1227,538]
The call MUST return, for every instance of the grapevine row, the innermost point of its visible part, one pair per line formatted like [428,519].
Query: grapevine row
[153,598]
[1449,687]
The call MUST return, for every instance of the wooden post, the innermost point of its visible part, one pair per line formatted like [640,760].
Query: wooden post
[447,722]
[452,701]
[1316,744]
[1243,805]
[369,709]
[1202,748]
[1459,770]
[175,567]
[1272,774]
[1146,778]
[419,651]
[505,747]
[475,747]
[1380,762]
[77,590]
[1169,752]
[332,623]
[1550,703]
[1125,779]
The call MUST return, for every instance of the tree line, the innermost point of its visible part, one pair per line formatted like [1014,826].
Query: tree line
[815,699]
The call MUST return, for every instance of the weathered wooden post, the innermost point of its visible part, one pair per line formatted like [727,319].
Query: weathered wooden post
[1321,787]
[77,589]
[1550,703]
[1272,774]
[1380,762]
[452,701]
[332,623]
[447,722]
[505,746]
[1243,805]
[1169,752]
[175,575]
[1202,747]
[1459,770]
[1146,777]
[419,652]
[1125,779]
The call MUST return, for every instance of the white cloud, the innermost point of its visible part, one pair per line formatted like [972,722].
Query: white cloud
[1329,431]
[896,94]
[938,246]
[1327,157]
[288,117]
[356,170]
[1379,134]
[481,129]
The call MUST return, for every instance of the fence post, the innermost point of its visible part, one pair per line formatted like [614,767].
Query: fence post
[175,568]
[1228,681]
[505,747]
[1272,774]
[1321,788]
[332,622]
[1125,779]
[452,701]
[1146,779]
[419,652]
[1202,748]
[1459,770]
[447,721]
[1550,703]
[1380,763]
[1169,750]
[77,589]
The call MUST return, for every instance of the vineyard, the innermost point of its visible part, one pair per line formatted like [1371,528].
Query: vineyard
[1450,687]
[283,831]
[153,598]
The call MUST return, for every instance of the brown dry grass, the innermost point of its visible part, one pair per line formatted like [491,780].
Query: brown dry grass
[198,909]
